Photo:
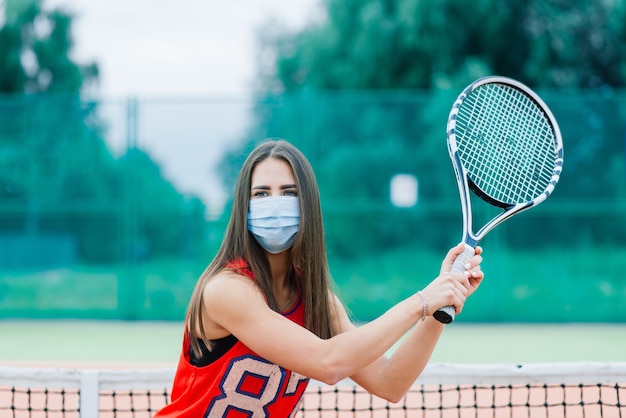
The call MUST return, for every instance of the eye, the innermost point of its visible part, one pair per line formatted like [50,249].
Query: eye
[290,192]
[260,193]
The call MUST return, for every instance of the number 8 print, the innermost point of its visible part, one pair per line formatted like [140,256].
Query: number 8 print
[250,386]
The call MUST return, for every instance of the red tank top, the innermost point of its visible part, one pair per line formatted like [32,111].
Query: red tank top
[239,384]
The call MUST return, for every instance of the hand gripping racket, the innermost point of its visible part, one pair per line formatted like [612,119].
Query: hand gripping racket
[506,147]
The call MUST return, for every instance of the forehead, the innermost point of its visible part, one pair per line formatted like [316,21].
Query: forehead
[272,171]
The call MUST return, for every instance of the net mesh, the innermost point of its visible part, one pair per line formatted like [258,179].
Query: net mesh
[521,400]
[506,143]
[462,391]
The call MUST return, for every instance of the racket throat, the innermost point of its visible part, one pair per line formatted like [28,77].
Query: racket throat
[470,241]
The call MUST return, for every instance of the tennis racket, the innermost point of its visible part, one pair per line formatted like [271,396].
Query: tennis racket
[506,147]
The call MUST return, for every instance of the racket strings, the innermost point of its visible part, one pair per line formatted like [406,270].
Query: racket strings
[506,144]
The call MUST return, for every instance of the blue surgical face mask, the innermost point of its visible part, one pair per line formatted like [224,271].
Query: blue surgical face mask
[274,221]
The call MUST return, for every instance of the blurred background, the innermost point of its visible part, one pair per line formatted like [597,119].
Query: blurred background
[124,123]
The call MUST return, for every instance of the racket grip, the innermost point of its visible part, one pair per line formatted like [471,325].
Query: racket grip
[446,314]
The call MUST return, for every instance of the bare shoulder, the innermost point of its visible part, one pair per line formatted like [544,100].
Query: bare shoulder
[228,287]
[223,297]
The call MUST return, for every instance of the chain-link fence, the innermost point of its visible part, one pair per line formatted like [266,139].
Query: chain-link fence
[112,209]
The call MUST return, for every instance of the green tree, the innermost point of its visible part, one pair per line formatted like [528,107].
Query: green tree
[429,44]
[53,157]
[36,46]
[355,81]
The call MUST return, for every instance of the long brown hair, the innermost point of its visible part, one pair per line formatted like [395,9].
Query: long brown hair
[308,253]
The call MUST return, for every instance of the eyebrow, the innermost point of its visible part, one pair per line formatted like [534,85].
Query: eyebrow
[283,187]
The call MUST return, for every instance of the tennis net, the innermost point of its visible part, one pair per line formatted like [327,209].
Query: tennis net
[569,390]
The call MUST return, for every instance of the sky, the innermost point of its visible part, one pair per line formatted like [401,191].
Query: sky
[192,66]
[189,47]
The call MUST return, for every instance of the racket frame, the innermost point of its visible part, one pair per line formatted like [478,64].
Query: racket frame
[465,183]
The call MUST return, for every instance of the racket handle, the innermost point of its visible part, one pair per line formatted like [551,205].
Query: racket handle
[445,315]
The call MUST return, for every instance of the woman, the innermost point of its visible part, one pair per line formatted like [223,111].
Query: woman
[263,318]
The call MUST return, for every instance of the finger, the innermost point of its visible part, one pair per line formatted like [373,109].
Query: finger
[455,277]
[475,272]
[447,290]
[460,301]
[461,281]
[452,254]
[451,294]
[473,262]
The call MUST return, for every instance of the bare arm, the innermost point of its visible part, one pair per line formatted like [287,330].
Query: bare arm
[390,378]
[236,305]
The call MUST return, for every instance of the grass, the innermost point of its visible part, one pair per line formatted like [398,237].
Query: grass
[142,344]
